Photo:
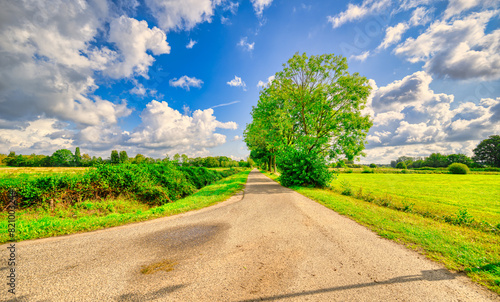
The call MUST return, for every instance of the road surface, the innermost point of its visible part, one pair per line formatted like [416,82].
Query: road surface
[268,244]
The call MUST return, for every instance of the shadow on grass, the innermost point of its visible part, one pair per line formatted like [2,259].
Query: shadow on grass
[427,275]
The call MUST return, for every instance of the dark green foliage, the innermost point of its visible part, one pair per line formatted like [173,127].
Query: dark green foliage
[123,157]
[373,166]
[154,184]
[78,157]
[302,168]
[401,165]
[115,158]
[458,168]
[461,159]
[62,158]
[488,151]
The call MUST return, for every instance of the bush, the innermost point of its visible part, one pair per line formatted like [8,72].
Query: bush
[373,166]
[457,168]
[401,165]
[302,168]
[367,170]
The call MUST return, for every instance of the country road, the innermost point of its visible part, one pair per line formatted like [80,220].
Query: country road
[268,244]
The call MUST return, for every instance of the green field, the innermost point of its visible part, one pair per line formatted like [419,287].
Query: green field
[433,194]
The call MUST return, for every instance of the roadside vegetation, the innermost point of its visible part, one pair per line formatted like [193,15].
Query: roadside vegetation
[110,202]
[456,245]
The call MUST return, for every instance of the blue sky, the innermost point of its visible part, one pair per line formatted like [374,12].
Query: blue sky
[163,77]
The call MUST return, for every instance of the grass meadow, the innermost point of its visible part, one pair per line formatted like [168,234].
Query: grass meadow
[436,195]
[458,247]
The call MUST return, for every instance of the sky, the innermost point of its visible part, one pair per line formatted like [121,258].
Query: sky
[160,77]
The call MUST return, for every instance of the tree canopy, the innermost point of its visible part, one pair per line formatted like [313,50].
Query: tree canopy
[488,151]
[314,105]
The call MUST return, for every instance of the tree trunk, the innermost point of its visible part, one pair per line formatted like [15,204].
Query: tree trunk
[269,163]
[274,161]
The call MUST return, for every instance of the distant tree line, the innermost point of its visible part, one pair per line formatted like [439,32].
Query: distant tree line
[487,153]
[66,158]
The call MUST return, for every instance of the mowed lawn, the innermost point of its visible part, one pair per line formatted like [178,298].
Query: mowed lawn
[440,194]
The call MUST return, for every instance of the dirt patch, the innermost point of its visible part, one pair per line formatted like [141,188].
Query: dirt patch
[166,265]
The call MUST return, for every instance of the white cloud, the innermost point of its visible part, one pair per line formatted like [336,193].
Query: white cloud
[408,112]
[237,82]
[420,16]
[236,138]
[459,49]
[134,39]
[362,57]
[183,14]
[231,6]
[139,90]
[44,135]
[357,12]
[269,81]
[165,128]
[260,5]
[191,44]
[393,34]
[456,7]
[186,82]
[244,43]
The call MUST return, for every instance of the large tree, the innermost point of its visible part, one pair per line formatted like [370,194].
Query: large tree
[488,151]
[313,106]
[62,158]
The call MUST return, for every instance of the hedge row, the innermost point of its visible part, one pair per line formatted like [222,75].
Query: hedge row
[154,184]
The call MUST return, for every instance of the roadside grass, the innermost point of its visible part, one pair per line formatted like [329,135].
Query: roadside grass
[89,215]
[459,248]
[438,196]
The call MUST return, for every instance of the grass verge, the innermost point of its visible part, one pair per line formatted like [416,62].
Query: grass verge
[86,216]
[459,248]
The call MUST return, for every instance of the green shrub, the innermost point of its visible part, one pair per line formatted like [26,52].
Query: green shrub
[401,165]
[302,168]
[346,188]
[458,168]
[373,166]
[367,170]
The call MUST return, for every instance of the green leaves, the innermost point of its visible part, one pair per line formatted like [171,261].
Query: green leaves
[313,105]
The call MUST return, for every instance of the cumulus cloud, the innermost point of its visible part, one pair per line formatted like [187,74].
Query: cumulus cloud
[356,12]
[408,112]
[362,57]
[165,128]
[134,39]
[260,5]
[237,82]
[186,82]
[245,45]
[181,15]
[393,34]
[43,135]
[458,49]
[456,7]
[269,80]
[191,44]
[49,59]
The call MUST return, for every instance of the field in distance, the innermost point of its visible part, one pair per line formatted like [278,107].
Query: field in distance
[432,194]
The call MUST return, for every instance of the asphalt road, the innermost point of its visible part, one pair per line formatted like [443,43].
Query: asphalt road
[268,244]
